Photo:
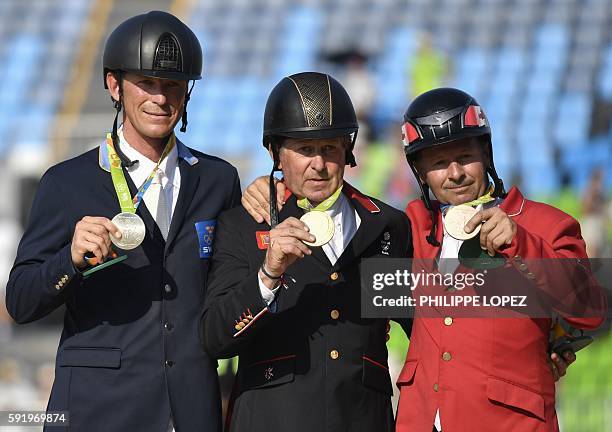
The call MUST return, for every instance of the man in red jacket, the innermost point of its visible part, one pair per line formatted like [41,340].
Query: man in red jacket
[484,373]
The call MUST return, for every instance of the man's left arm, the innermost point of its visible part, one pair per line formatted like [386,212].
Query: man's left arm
[555,262]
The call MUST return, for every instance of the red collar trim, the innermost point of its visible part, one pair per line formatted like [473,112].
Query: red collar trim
[288,193]
[513,203]
[362,199]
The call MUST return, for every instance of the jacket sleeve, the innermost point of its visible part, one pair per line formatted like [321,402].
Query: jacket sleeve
[236,194]
[405,251]
[561,272]
[43,275]
[234,310]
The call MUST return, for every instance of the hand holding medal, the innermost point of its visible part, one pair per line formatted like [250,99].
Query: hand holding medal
[290,239]
[496,228]
[287,245]
[91,241]
[466,221]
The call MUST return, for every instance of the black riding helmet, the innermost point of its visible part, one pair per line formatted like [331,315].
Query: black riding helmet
[156,44]
[309,105]
[442,116]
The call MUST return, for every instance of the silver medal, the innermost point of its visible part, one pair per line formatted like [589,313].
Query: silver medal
[132,229]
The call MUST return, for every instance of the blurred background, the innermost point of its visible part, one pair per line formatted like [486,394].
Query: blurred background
[541,69]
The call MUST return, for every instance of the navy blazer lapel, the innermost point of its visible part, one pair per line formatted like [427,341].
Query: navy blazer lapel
[107,185]
[190,179]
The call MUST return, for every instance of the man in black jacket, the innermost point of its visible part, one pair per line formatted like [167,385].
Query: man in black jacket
[308,360]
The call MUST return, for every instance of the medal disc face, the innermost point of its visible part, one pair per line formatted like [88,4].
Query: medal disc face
[133,229]
[455,220]
[320,225]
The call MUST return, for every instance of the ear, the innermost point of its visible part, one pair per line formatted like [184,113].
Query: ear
[113,85]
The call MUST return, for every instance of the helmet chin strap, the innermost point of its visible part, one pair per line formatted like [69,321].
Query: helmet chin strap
[184,118]
[273,205]
[125,161]
[350,157]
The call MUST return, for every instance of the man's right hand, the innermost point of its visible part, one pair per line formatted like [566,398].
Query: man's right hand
[256,198]
[91,235]
[286,247]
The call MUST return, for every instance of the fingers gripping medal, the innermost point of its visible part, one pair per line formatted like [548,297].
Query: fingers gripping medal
[320,225]
[455,220]
[318,221]
[132,228]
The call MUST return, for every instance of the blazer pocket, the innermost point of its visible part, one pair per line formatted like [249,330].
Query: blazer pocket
[268,373]
[90,357]
[406,376]
[376,375]
[515,396]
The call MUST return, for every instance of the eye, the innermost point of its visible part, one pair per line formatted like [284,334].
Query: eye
[306,150]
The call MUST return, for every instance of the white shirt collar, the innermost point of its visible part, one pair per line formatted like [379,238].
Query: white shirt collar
[338,206]
[141,171]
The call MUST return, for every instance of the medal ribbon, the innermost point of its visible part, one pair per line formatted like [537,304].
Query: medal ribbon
[323,206]
[474,203]
[483,199]
[127,203]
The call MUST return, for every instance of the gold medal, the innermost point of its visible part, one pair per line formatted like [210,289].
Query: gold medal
[455,220]
[320,225]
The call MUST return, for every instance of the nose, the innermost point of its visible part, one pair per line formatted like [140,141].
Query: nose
[158,92]
[159,96]
[455,171]
[317,163]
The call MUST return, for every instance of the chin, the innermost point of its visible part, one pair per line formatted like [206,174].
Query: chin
[318,196]
[462,198]
[159,131]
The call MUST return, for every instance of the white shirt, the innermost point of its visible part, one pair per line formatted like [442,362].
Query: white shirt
[448,263]
[168,169]
[346,223]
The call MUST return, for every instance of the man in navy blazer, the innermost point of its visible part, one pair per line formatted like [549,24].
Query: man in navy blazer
[129,357]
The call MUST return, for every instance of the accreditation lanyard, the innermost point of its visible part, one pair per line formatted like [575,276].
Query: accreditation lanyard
[127,203]
[322,206]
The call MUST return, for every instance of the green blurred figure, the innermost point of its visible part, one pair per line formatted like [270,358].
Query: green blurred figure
[429,68]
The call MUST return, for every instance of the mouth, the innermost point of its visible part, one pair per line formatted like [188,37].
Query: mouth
[154,114]
[458,189]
